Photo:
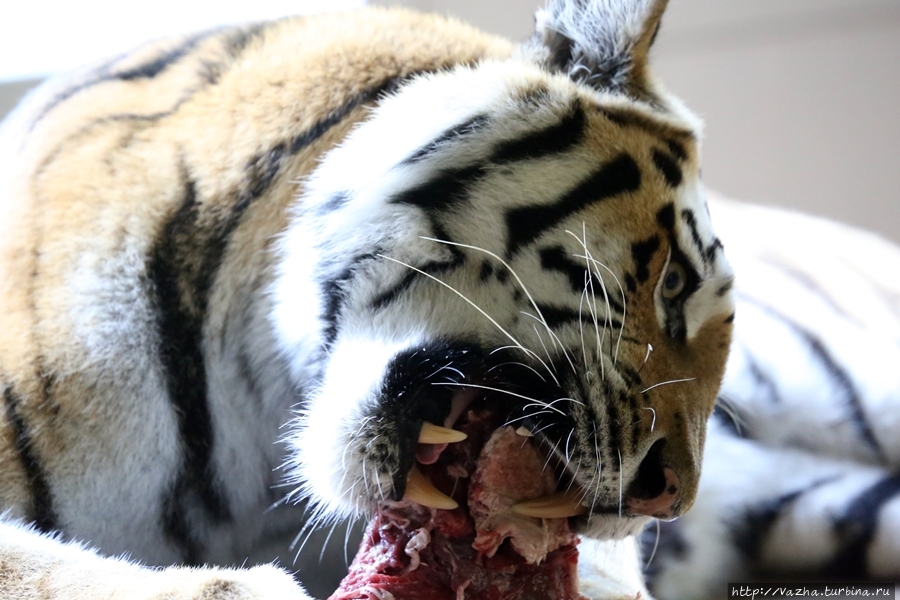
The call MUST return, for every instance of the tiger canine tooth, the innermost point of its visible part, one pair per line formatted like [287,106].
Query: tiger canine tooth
[434,434]
[421,491]
[523,432]
[555,506]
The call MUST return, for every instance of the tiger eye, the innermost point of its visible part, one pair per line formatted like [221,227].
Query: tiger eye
[674,281]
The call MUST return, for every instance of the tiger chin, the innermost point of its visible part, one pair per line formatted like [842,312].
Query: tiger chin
[298,249]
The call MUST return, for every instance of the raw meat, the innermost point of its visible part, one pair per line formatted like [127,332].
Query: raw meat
[481,550]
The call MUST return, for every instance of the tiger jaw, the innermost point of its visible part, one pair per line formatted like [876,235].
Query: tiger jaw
[411,421]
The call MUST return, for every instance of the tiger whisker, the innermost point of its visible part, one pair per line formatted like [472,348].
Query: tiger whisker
[598,476]
[619,452]
[581,325]
[351,523]
[588,257]
[327,539]
[652,423]
[508,268]
[520,364]
[534,401]
[447,367]
[656,385]
[624,312]
[554,337]
[540,338]
[592,307]
[734,416]
[655,545]
[550,456]
[493,321]
[646,358]
[529,416]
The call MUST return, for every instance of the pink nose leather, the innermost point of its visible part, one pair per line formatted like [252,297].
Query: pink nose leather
[661,507]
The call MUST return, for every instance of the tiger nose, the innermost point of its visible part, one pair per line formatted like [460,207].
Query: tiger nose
[654,490]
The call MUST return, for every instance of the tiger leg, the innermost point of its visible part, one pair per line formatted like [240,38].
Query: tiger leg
[39,567]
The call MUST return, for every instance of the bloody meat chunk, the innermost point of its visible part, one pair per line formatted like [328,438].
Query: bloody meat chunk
[481,550]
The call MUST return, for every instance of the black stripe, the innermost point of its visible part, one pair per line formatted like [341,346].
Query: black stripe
[560,315]
[41,511]
[557,259]
[752,530]
[235,44]
[805,280]
[261,171]
[630,283]
[467,127]
[842,379]
[555,316]
[668,167]
[555,139]
[630,375]
[838,375]
[433,268]
[688,215]
[526,224]
[677,149]
[762,380]
[302,140]
[856,527]
[725,288]
[665,216]
[642,253]
[107,72]
[614,429]
[335,202]
[154,67]
[631,118]
[449,188]
[182,268]
[334,292]
[710,254]
[486,271]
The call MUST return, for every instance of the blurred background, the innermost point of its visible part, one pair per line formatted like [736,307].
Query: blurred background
[801,98]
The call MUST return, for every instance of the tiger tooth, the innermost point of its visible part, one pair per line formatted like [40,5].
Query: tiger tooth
[421,491]
[555,506]
[523,432]
[434,434]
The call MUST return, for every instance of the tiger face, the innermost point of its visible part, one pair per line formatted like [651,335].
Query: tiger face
[530,237]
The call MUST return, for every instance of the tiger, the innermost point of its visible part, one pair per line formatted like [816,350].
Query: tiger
[245,273]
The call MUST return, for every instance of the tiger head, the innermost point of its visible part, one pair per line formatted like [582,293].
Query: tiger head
[530,230]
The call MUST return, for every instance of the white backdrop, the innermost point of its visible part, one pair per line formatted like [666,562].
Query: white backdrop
[39,37]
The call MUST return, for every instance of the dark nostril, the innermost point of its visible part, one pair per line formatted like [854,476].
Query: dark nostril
[650,481]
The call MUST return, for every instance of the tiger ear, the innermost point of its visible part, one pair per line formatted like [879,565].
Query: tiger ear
[602,43]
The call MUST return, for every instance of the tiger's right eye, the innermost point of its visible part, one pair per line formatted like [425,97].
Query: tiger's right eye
[674,281]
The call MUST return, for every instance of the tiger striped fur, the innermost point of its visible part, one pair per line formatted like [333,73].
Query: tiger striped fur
[268,254]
